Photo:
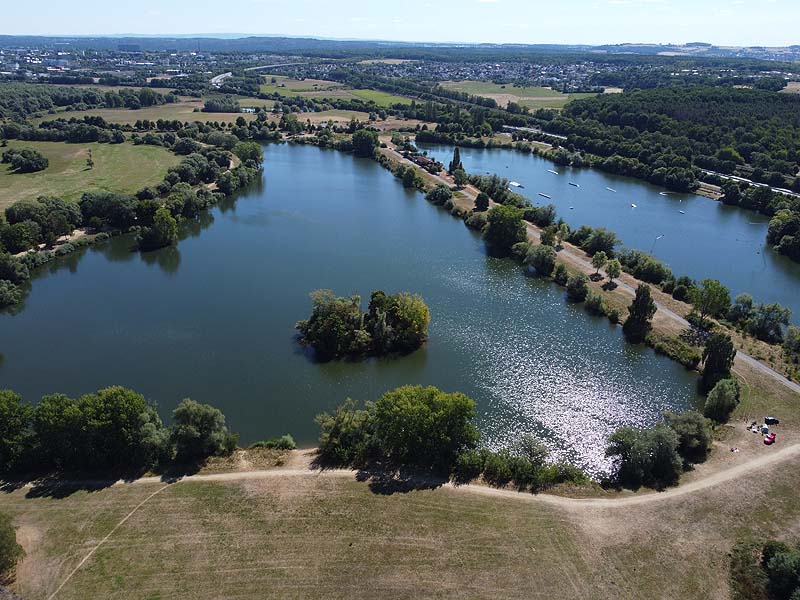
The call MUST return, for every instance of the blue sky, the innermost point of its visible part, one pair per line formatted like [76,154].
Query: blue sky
[727,22]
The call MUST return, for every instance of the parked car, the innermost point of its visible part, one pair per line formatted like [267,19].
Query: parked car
[771,420]
[769,439]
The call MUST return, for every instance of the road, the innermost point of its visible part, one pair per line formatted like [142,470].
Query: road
[575,256]
[219,79]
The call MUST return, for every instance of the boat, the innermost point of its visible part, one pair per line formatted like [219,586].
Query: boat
[574,184]
[633,205]
[516,184]
[545,196]
[553,172]
[663,193]
[572,208]
[682,212]
[611,190]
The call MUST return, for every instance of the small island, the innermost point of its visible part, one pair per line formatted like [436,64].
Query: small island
[339,328]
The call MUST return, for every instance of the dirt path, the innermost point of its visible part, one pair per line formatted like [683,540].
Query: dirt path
[576,258]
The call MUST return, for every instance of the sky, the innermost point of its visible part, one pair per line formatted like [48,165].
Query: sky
[723,22]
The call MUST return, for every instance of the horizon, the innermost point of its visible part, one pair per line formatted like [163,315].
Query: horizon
[737,23]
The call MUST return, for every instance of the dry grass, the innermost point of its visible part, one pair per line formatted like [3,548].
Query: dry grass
[186,110]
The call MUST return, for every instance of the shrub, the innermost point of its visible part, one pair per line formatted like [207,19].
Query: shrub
[520,250]
[285,442]
[10,551]
[542,258]
[680,293]
[439,195]
[646,456]
[477,220]
[561,274]
[594,304]
[10,294]
[199,431]
[469,465]
[577,287]
[497,468]
[695,435]
[613,316]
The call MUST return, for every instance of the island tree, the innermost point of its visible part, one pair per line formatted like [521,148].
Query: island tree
[640,314]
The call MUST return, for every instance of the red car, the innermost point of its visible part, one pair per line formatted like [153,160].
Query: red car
[769,439]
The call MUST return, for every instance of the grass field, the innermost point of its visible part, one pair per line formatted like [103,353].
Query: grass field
[333,537]
[286,86]
[532,97]
[322,89]
[182,111]
[118,168]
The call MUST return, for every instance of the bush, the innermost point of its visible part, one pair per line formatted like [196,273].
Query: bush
[439,195]
[561,274]
[497,468]
[10,294]
[577,287]
[469,465]
[285,442]
[520,250]
[477,220]
[542,258]
[646,456]
[199,431]
[695,435]
[613,316]
[10,551]
[722,400]
[594,304]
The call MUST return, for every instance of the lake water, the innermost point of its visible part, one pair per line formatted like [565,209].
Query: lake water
[710,240]
[213,319]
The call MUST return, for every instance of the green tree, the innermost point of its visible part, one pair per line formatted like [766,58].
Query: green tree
[365,142]
[249,151]
[15,429]
[718,357]
[199,431]
[423,426]
[561,274]
[640,314]
[460,178]
[767,322]
[710,298]
[695,434]
[163,232]
[577,287]
[542,258]
[722,400]
[505,228]
[613,269]
[482,202]
[599,261]
[455,164]
[646,456]
[440,195]
[10,551]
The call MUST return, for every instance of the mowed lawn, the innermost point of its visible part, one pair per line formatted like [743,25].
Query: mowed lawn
[318,536]
[531,96]
[186,110]
[117,168]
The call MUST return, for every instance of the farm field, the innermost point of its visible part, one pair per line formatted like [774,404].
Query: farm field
[182,111]
[118,168]
[532,97]
[319,88]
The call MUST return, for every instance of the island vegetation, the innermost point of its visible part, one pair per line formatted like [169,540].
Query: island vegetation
[339,328]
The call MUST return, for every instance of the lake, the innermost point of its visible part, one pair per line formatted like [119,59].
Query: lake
[213,319]
[709,240]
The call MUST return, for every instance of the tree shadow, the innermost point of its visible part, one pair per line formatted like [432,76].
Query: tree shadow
[595,277]
[386,479]
[610,286]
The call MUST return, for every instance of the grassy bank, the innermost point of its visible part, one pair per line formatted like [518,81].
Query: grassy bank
[117,168]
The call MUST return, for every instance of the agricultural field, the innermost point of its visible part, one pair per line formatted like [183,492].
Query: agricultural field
[503,94]
[382,99]
[118,168]
[286,86]
[319,88]
[186,110]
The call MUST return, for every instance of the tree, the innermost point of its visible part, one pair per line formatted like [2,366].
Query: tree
[15,431]
[542,258]
[460,178]
[640,314]
[695,434]
[718,356]
[577,287]
[455,164]
[163,232]
[439,195]
[26,160]
[365,142]
[646,456]
[613,269]
[249,151]
[599,261]
[505,228]
[600,240]
[10,551]
[423,426]
[199,431]
[722,400]
[561,234]
[710,298]
[482,202]
[89,160]
[767,322]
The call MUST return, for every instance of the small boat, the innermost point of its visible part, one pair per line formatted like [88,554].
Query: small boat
[633,205]
[516,184]
[545,196]
[663,193]
[682,212]
[611,190]
[572,208]
[553,172]
[574,184]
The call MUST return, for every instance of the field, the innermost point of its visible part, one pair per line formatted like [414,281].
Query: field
[182,111]
[532,97]
[307,535]
[793,87]
[118,168]
[319,88]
